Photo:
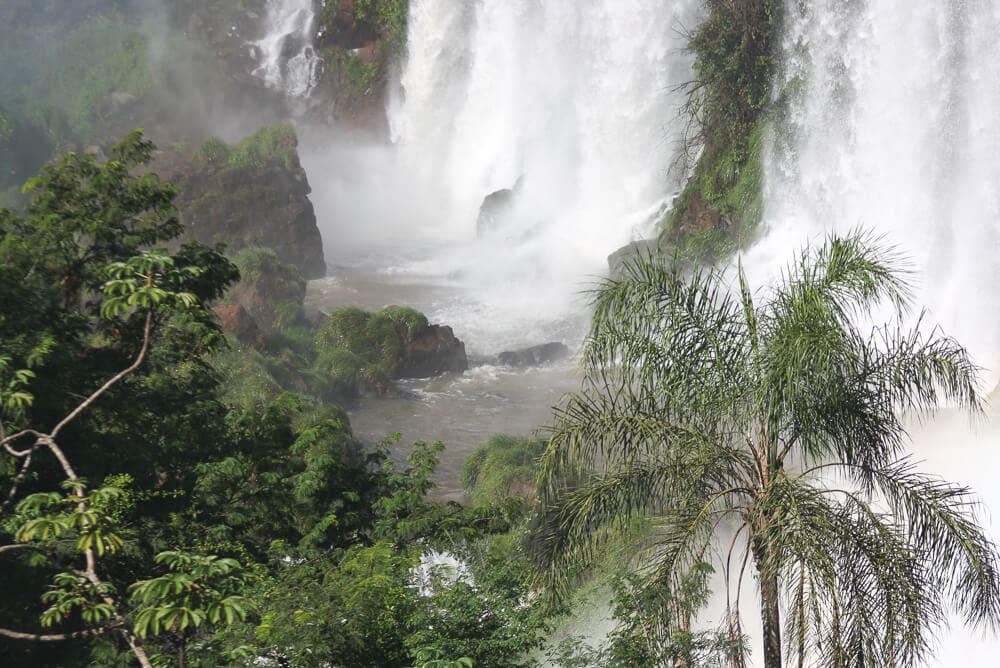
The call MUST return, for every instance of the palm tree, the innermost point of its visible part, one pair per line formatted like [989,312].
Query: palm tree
[766,429]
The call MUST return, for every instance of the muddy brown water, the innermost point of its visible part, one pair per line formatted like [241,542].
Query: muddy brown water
[460,410]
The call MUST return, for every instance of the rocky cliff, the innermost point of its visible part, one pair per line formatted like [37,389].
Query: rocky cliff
[252,194]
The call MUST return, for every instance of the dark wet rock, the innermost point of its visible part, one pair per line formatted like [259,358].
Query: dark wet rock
[253,194]
[496,213]
[535,355]
[343,28]
[631,251]
[434,351]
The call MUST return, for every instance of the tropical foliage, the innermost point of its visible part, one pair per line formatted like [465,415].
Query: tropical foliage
[765,431]
[162,505]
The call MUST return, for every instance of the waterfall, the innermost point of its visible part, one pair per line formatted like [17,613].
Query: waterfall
[575,97]
[892,124]
[286,57]
[574,101]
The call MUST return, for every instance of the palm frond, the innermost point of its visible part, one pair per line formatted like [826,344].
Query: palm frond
[939,518]
[918,370]
[706,405]
[851,273]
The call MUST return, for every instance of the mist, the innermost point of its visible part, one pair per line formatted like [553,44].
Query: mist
[570,106]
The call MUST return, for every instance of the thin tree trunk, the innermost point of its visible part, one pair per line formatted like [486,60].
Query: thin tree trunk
[771,618]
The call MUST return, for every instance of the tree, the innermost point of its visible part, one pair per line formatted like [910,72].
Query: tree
[198,590]
[766,429]
[89,314]
[43,519]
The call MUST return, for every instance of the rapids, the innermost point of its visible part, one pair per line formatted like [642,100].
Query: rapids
[578,101]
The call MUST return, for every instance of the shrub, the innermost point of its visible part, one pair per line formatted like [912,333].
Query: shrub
[267,146]
[409,322]
[502,467]
[213,152]
[735,61]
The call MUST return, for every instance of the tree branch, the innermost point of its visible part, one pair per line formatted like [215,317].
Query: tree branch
[49,637]
[22,474]
[146,336]
[17,546]
[7,440]
[49,440]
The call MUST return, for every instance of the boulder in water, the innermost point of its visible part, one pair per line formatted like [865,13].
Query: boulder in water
[534,355]
[435,350]
[497,210]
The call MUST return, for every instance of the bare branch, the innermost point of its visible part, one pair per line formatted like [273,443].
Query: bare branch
[146,336]
[22,474]
[8,440]
[17,546]
[50,637]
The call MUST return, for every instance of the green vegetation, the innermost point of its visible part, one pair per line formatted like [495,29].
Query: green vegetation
[777,418]
[656,629]
[85,305]
[270,290]
[356,76]
[213,151]
[360,350]
[735,60]
[60,78]
[166,501]
[389,15]
[504,467]
[61,90]
[266,146]
[385,21]
[170,496]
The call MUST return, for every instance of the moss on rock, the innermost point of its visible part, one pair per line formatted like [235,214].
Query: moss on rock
[363,351]
[504,467]
[735,60]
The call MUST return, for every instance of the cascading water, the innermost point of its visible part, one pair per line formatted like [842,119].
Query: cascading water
[575,100]
[892,125]
[286,55]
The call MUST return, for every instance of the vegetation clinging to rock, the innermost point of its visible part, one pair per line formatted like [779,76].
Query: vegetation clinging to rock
[735,60]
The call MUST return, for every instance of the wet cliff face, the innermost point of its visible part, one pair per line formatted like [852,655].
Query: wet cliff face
[359,43]
[252,194]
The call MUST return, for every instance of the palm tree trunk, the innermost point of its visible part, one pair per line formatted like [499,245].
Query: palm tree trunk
[771,618]
[769,595]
